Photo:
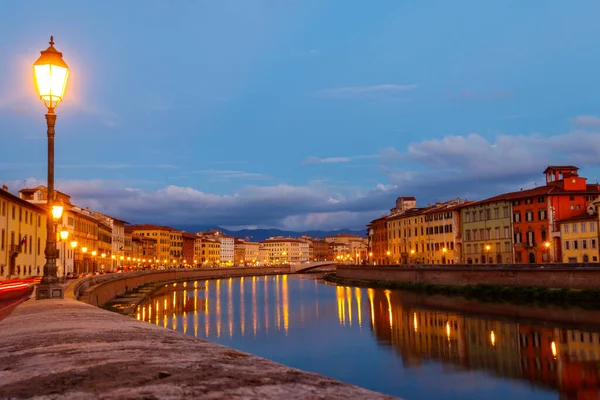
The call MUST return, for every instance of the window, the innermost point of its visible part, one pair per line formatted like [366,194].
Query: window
[571,197]
[566,228]
[506,232]
[474,216]
[592,226]
[593,243]
[496,213]
[14,210]
[529,215]
[507,247]
[567,245]
[542,215]
[468,234]
[583,226]
[518,256]
[584,244]
[468,249]
[543,235]
[574,227]
[516,202]
[517,217]
[518,237]
[530,237]
[575,245]
[2,239]
[497,233]
[467,217]
[541,199]
[528,201]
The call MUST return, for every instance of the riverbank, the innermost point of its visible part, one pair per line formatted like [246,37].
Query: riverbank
[528,295]
[70,350]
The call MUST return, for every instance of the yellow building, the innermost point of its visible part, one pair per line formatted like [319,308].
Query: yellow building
[211,252]
[251,253]
[286,250]
[22,237]
[438,232]
[176,245]
[579,238]
[162,235]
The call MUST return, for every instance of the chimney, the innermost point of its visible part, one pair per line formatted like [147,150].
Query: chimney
[5,188]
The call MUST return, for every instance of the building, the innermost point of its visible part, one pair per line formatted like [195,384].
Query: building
[378,241]
[239,252]
[535,212]
[251,253]
[438,233]
[188,252]
[487,231]
[118,237]
[22,237]
[579,237]
[211,252]
[227,247]
[162,235]
[321,250]
[176,250]
[286,250]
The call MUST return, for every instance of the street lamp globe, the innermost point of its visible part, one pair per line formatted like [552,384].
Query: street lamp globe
[64,235]
[51,74]
[57,211]
[73,244]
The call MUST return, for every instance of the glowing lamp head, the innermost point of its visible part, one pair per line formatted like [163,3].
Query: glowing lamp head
[445,250]
[412,251]
[488,247]
[73,244]
[113,257]
[51,74]
[94,253]
[547,244]
[387,252]
[122,258]
[57,211]
[103,255]
[64,235]
[84,249]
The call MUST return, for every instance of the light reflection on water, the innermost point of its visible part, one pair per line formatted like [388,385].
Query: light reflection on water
[400,349]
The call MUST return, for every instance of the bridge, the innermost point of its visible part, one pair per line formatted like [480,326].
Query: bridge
[303,267]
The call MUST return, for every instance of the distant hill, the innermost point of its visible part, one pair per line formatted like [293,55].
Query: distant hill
[256,235]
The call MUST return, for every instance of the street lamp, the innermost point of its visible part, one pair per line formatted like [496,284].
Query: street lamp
[388,256]
[547,245]
[51,74]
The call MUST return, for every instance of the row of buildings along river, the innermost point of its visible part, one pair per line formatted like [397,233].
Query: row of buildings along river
[556,222]
[93,242]
[566,359]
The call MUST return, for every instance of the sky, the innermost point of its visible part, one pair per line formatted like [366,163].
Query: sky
[299,114]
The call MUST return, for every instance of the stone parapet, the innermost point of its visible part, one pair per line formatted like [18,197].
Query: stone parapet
[560,276]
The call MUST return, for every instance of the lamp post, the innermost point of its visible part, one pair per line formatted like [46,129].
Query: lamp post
[73,247]
[51,74]
[64,235]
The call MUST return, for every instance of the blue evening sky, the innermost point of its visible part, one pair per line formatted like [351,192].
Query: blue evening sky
[300,114]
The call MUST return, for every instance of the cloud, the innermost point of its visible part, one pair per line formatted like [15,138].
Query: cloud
[326,160]
[116,166]
[385,91]
[337,160]
[222,175]
[477,166]
[586,121]
[471,95]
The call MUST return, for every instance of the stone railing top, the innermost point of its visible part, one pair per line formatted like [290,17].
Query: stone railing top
[481,267]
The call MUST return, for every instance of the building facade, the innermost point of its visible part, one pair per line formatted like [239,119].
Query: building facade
[22,237]
[487,232]
[579,238]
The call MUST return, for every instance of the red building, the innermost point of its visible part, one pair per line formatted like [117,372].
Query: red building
[535,212]
[378,241]
[188,248]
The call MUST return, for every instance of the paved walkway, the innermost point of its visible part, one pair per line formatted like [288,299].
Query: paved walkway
[64,349]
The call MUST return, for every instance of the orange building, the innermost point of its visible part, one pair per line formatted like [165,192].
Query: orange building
[536,212]
[378,241]
[188,248]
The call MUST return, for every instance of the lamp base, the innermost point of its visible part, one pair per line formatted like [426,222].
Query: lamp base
[47,291]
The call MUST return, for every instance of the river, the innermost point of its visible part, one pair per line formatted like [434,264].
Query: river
[383,341]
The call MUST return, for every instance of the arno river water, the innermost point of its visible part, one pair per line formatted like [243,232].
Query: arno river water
[383,340]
